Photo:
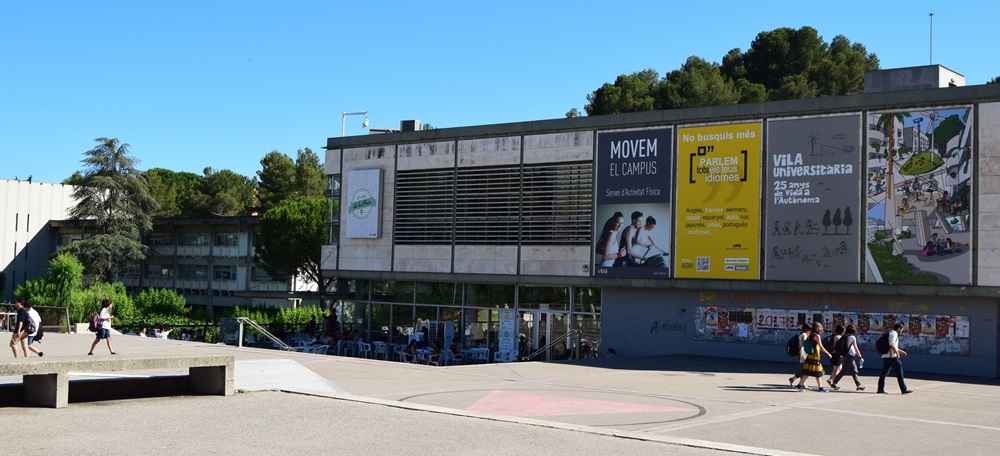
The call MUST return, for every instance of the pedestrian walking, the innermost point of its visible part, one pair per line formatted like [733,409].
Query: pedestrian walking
[806,330]
[851,359]
[104,332]
[37,320]
[812,367]
[836,359]
[19,333]
[892,361]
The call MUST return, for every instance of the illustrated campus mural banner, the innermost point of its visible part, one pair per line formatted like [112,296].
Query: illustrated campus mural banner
[813,190]
[920,172]
[718,202]
[633,203]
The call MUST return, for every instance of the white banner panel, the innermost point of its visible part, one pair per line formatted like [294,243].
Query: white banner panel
[363,200]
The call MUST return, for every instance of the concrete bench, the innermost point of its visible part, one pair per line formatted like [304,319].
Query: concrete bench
[45,381]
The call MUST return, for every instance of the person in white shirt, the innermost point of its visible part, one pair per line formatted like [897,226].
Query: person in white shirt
[37,319]
[104,332]
[891,360]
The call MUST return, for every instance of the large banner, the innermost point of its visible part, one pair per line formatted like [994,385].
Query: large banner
[718,202]
[920,172]
[364,189]
[633,203]
[813,191]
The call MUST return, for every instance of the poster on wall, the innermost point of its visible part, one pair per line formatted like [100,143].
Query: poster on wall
[364,190]
[927,334]
[718,202]
[813,193]
[919,217]
[633,203]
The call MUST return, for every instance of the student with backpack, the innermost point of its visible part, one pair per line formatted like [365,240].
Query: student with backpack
[34,328]
[812,367]
[851,354]
[891,361]
[836,359]
[104,332]
[797,350]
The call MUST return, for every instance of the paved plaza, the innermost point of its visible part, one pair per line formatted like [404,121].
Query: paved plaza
[296,403]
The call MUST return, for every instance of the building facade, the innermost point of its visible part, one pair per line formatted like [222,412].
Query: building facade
[711,231]
[208,260]
[25,239]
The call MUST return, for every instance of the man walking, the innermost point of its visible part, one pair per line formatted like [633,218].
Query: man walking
[891,360]
[37,320]
[19,333]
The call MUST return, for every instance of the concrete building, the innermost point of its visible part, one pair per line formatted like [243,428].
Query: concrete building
[208,260]
[516,236]
[25,240]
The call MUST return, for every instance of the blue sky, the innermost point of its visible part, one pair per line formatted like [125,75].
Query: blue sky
[193,84]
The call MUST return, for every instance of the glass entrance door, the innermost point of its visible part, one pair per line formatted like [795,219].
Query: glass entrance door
[536,328]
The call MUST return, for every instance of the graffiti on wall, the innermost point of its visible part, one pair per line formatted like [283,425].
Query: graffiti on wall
[927,334]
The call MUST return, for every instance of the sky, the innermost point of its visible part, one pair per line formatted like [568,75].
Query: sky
[196,84]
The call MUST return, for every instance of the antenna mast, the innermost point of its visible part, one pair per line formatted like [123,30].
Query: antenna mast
[932,38]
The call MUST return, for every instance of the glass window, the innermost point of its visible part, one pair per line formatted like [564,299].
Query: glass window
[193,239]
[381,323]
[224,273]
[227,239]
[439,293]
[192,271]
[587,300]
[402,322]
[133,270]
[392,291]
[545,298]
[485,295]
[156,271]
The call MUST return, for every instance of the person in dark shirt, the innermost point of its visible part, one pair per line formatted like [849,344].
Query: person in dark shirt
[19,333]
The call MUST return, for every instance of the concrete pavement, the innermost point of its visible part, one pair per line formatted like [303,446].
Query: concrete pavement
[309,404]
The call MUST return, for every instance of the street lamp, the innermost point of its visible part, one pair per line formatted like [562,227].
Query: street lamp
[343,120]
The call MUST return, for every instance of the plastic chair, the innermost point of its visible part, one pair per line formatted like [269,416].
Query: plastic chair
[381,350]
[321,349]
[364,350]
[400,354]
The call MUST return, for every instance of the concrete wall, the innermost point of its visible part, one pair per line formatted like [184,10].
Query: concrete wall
[645,322]
[988,203]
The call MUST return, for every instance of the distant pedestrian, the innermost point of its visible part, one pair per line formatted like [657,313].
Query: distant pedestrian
[812,367]
[19,332]
[891,361]
[851,359]
[803,335]
[36,334]
[104,332]
[835,358]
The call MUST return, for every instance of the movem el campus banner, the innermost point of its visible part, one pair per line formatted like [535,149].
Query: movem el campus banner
[633,203]
[813,195]
[718,202]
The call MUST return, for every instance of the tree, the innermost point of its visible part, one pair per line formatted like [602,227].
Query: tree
[161,302]
[698,83]
[276,180]
[65,278]
[573,113]
[780,64]
[292,235]
[630,93]
[995,80]
[226,192]
[310,179]
[115,209]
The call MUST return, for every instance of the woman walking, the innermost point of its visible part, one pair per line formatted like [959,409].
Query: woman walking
[812,367]
[850,366]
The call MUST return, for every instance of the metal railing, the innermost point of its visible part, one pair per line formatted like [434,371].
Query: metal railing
[532,355]
[244,321]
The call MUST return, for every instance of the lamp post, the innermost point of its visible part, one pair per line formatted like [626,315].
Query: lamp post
[343,120]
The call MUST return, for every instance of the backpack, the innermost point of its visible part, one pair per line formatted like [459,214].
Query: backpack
[29,325]
[828,343]
[882,344]
[792,346]
[841,348]
[95,322]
